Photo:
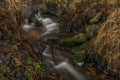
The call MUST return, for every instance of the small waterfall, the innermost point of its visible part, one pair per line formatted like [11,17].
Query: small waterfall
[27,26]
[51,31]
[50,28]
[44,21]
[70,69]
[47,51]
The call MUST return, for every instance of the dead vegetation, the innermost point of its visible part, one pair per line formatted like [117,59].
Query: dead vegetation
[20,56]
[8,30]
[86,13]
[107,43]
[15,10]
[113,2]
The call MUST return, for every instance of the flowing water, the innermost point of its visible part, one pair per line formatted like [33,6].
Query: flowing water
[71,70]
[51,28]
[26,26]
[59,60]
[50,32]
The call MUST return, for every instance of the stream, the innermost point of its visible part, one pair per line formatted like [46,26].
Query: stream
[54,57]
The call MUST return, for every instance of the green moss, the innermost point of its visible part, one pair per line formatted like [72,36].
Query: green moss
[76,49]
[68,42]
[32,65]
[92,30]
[38,66]
[79,51]
[96,18]
[2,77]
[27,74]
[81,37]
[29,60]
[79,55]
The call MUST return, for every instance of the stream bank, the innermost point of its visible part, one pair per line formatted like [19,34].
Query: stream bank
[17,47]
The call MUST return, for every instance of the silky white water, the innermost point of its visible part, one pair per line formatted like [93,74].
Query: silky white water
[47,51]
[70,69]
[51,29]
[27,26]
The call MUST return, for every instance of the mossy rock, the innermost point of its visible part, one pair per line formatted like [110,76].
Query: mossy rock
[68,42]
[81,37]
[80,51]
[72,41]
[79,54]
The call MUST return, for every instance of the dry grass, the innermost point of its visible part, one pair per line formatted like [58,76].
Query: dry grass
[15,48]
[114,2]
[16,11]
[9,28]
[107,43]
[86,12]
[11,32]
